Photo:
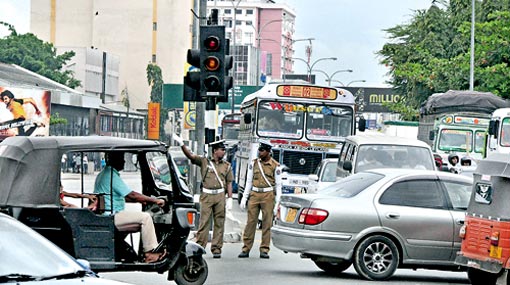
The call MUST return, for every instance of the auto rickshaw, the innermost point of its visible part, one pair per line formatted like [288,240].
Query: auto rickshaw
[485,235]
[31,175]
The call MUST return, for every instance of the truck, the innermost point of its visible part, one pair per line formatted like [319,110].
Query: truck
[456,122]
[498,133]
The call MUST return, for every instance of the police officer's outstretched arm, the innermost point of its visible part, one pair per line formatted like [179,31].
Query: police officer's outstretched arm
[247,187]
[185,149]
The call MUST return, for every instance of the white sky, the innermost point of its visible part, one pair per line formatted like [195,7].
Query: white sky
[351,30]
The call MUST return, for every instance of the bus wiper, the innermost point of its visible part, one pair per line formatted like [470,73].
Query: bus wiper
[16,277]
[75,274]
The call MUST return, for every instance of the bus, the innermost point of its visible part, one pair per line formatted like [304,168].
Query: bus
[230,133]
[304,123]
[230,127]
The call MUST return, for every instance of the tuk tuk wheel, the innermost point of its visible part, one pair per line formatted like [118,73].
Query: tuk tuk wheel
[480,277]
[192,272]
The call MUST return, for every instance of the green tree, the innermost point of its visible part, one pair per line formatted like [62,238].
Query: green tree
[431,53]
[29,52]
[155,81]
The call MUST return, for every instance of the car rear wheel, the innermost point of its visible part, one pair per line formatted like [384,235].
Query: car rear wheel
[333,267]
[376,258]
[480,277]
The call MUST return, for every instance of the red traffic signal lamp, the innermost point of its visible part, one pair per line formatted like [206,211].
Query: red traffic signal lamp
[213,47]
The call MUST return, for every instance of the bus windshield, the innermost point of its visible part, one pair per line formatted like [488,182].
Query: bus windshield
[328,123]
[288,120]
[459,140]
[230,131]
[278,119]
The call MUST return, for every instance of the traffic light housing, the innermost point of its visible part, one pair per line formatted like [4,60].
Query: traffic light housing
[213,48]
[192,84]
[228,80]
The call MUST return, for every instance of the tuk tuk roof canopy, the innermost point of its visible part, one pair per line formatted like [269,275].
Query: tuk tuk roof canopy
[30,166]
[494,171]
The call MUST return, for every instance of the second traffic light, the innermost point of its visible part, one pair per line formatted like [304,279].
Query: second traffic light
[213,62]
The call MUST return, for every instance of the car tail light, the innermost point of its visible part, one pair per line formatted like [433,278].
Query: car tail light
[462,231]
[312,216]
[495,238]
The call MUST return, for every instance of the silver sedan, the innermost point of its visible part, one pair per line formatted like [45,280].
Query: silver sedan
[377,220]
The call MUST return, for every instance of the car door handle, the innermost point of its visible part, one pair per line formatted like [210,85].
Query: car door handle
[392,215]
[459,221]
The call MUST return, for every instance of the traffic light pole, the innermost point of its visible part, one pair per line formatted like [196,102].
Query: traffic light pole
[200,106]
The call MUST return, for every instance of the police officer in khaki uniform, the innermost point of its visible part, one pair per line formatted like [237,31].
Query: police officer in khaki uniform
[217,178]
[262,185]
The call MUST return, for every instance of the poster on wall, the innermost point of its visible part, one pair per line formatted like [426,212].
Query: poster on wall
[24,112]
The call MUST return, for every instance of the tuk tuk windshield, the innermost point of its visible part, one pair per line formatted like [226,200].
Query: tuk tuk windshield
[160,170]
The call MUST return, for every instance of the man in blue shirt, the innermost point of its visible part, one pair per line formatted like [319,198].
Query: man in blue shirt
[121,194]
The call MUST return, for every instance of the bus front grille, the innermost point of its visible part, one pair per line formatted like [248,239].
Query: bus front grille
[300,162]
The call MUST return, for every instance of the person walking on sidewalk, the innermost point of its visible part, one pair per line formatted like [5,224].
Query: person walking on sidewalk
[262,185]
[217,178]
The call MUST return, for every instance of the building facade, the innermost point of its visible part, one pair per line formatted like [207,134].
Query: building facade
[268,27]
[137,32]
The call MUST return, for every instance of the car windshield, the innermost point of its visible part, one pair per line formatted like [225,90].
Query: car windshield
[329,173]
[393,156]
[352,185]
[25,254]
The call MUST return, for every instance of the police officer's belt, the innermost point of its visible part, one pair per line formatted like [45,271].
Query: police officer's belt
[266,189]
[213,191]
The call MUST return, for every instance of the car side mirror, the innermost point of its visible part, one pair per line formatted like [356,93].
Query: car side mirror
[247,118]
[347,166]
[362,124]
[432,134]
[313,177]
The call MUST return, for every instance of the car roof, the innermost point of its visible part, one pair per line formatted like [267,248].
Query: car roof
[385,139]
[399,172]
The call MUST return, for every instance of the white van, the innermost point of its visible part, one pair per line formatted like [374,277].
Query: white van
[364,152]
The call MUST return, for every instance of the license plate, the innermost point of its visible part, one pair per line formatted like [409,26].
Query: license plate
[291,215]
[495,251]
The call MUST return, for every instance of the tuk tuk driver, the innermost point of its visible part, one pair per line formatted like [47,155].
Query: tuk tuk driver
[121,194]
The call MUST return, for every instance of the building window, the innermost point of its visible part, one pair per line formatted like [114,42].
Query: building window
[227,11]
[153,58]
[249,12]
[238,23]
[269,65]
[227,23]
[249,23]
[154,26]
[239,11]
[228,35]
[249,37]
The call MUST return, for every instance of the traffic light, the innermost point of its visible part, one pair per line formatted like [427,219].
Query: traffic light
[228,80]
[213,48]
[192,84]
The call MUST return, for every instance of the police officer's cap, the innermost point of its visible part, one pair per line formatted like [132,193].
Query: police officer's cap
[265,145]
[217,144]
